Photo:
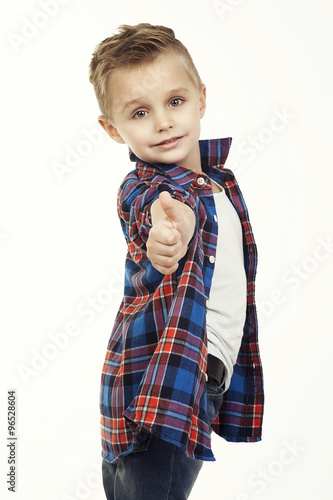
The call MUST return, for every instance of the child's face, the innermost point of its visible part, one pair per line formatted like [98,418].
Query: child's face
[156,110]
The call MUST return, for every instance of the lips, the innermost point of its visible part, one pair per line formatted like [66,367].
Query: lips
[173,141]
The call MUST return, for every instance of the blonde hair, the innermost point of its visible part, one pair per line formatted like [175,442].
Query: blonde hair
[134,45]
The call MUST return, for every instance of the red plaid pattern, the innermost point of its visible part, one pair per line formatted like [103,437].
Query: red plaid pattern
[154,370]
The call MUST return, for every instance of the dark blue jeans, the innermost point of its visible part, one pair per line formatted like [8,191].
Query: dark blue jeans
[160,470]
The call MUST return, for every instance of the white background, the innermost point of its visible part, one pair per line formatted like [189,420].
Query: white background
[62,249]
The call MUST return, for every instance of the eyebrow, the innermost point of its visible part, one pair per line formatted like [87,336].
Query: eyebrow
[127,104]
[138,100]
[179,90]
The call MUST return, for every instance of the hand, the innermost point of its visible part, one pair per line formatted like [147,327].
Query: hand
[172,230]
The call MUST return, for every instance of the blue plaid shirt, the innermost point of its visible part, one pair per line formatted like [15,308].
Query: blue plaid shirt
[154,371]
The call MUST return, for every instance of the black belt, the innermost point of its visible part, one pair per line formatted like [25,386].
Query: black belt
[215,369]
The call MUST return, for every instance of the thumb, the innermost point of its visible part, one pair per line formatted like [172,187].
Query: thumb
[169,207]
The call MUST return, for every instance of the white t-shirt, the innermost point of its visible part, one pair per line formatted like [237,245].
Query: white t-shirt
[226,308]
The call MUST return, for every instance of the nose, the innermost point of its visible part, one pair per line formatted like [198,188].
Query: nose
[163,121]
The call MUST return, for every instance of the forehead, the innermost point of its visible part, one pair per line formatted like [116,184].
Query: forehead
[164,74]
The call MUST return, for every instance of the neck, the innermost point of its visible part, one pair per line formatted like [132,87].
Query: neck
[193,160]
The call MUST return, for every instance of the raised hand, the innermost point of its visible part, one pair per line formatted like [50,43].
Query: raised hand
[172,229]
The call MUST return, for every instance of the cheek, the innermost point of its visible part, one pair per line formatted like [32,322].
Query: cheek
[138,131]
[193,117]
[194,121]
[131,135]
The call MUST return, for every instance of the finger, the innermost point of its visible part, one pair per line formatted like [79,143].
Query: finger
[165,261]
[165,269]
[165,234]
[170,207]
[159,249]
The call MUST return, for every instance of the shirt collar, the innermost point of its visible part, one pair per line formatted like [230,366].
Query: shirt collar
[214,153]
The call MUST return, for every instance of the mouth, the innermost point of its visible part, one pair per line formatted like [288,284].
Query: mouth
[168,143]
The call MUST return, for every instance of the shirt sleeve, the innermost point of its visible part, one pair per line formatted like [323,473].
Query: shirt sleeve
[135,198]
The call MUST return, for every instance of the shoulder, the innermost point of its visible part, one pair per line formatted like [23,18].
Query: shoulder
[140,190]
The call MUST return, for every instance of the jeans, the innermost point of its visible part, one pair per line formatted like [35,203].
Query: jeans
[159,470]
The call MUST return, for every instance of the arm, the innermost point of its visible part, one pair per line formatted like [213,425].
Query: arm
[173,224]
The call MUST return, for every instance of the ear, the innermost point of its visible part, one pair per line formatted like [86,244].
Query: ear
[202,100]
[110,129]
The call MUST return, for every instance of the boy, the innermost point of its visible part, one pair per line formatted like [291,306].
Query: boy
[183,356]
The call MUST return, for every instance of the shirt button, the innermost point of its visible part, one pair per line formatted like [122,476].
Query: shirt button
[207,303]
[211,259]
[215,218]
[201,181]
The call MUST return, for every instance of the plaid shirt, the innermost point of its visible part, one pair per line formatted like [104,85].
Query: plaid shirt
[154,372]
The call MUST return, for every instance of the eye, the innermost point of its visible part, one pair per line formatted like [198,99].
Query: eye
[176,102]
[140,114]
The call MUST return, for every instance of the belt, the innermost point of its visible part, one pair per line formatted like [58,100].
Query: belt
[215,369]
